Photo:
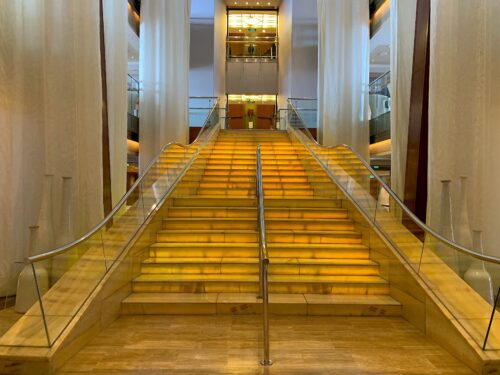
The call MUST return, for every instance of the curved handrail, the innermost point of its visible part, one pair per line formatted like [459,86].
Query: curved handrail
[394,196]
[103,222]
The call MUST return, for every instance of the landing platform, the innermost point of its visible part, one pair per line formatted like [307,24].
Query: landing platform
[232,345]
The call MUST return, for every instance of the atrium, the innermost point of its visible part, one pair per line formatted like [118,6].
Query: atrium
[249,187]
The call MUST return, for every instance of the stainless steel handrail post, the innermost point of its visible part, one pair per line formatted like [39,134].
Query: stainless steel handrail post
[263,259]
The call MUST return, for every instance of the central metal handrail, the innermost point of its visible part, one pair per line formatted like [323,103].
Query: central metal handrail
[263,259]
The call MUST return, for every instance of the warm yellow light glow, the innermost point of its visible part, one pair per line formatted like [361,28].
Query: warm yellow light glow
[132,146]
[246,20]
[381,148]
[252,98]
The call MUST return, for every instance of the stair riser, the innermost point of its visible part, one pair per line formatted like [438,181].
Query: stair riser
[209,202]
[252,202]
[268,186]
[201,237]
[252,225]
[249,253]
[255,308]
[246,287]
[327,238]
[252,213]
[253,269]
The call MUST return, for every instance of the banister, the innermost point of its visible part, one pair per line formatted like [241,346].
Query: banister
[107,219]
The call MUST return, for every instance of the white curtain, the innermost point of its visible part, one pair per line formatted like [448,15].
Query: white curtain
[50,117]
[115,32]
[403,14]
[343,73]
[464,109]
[164,75]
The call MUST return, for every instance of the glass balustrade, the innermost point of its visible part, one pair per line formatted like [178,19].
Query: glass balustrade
[65,278]
[469,297]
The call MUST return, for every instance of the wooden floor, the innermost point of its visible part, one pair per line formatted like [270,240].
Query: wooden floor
[232,345]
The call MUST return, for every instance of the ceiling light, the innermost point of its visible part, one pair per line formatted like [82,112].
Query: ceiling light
[258,3]
[268,3]
[246,3]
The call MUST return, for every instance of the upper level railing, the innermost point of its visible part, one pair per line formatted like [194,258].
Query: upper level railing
[460,278]
[200,108]
[246,48]
[65,278]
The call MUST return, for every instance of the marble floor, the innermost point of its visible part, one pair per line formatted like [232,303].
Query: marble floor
[232,345]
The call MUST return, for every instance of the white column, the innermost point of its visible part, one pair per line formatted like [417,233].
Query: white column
[403,14]
[343,73]
[50,117]
[164,75]
[115,32]
[464,110]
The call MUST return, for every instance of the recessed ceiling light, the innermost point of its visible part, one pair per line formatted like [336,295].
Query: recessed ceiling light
[268,3]
[258,3]
[246,3]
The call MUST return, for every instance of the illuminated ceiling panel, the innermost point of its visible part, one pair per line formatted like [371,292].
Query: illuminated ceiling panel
[252,20]
[252,99]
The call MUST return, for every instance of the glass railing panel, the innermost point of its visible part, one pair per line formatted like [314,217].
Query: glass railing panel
[440,268]
[71,277]
[390,220]
[463,280]
[30,327]
[306,110]
[492,338]
[200,107]
[67,276]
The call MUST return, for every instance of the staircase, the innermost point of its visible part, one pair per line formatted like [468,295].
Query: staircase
[205,260]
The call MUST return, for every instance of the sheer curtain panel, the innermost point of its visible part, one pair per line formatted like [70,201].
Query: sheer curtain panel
[464,110]
[164,75]
[343,73]
[115,32]
[50,118]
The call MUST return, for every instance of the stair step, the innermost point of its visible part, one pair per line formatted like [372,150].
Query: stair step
[282,266]
[240,235]
[248,303]
[227,283]
[251,212]
[251,224]
[249,250]
[295,202]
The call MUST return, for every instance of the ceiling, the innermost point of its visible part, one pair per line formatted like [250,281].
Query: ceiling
[253,3]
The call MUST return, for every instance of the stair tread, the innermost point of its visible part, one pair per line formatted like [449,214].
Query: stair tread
[246,231]
[229,260]
[313,299]
[335,220]
[341,279]
[320,209]
[256,245]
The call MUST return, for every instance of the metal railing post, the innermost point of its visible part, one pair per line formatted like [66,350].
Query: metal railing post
[263,259]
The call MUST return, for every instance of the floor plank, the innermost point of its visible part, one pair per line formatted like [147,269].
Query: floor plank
[232,345]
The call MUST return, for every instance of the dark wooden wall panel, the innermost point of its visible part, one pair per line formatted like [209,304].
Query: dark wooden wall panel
[416,158]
